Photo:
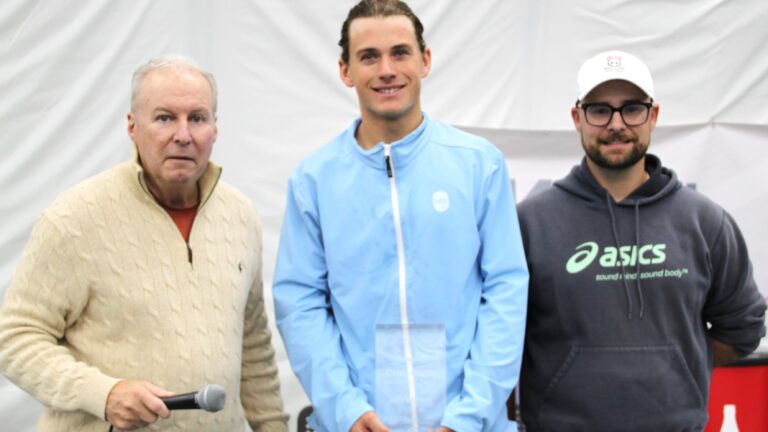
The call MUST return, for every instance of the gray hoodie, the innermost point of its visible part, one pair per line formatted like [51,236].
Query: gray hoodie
[621,295]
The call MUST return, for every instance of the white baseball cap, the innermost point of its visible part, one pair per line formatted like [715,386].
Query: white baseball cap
[614,65]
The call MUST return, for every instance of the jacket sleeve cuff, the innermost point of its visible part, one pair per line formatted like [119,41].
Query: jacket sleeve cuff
[351,413]
[458,422]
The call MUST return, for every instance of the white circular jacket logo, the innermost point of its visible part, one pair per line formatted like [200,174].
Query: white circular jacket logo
[440,201]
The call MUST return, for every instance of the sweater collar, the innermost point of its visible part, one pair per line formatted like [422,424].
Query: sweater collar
[207,181]
[403,150]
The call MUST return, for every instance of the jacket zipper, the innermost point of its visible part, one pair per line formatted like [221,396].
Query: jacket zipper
[402,286]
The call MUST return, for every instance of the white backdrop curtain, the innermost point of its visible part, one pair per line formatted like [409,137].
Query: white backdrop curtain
[501,68]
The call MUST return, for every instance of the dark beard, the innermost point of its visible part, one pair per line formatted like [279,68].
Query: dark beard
[637,154]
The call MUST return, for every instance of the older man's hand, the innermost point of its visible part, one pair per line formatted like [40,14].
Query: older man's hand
[135,404]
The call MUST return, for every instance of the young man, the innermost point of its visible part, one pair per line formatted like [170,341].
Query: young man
[638,284]
[400,286]
[144,278]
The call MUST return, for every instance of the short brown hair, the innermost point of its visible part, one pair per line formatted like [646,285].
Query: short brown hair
[379,8]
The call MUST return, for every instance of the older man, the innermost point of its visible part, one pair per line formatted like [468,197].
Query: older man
[144,278]
[638,284]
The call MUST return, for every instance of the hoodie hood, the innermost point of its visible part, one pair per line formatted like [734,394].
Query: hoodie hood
[661,182]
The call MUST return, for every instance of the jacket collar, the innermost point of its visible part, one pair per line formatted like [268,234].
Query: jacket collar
[402,151]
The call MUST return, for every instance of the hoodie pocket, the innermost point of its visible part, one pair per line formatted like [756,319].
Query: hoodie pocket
[636,388]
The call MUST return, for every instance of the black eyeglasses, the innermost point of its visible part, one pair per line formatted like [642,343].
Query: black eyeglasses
[600,114]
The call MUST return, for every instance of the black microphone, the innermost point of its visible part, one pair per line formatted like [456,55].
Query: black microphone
[210,398]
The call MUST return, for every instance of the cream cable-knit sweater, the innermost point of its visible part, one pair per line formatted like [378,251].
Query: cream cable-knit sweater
[107,289]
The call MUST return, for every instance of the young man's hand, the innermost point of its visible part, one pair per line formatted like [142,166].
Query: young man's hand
[368,422]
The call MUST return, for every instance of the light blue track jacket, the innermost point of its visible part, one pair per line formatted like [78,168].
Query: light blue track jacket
[429,237]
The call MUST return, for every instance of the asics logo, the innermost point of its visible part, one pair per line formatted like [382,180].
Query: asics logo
[613,257]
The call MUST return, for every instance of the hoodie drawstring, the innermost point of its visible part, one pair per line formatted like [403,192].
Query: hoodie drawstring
[618,253]
[638,285]
[637,261]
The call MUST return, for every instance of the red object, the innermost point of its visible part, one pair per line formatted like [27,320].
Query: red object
[743,386]
[183,219]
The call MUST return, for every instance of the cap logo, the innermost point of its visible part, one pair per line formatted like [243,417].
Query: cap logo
[613,63]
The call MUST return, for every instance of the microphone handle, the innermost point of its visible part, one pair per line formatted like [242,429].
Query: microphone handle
[181,402]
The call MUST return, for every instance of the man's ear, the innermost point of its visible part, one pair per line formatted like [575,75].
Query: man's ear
[131,125]
[576,117]
[654,116]
[344,74]
[427,57]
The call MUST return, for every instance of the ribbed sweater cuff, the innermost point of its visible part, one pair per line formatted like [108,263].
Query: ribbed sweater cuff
[272,426]
[94,397]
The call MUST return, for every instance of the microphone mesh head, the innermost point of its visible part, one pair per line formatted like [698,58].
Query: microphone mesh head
[211,397]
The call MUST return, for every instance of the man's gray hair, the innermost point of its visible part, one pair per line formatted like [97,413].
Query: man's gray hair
[168,61]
